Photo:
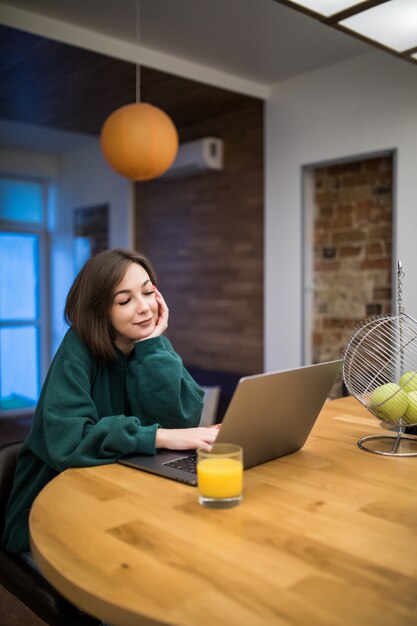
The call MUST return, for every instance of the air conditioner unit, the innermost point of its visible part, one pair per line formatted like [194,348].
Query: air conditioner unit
[196,156]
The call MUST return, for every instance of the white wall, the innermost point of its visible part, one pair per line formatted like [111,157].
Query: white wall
[85,181]
[358,107]
[27,163]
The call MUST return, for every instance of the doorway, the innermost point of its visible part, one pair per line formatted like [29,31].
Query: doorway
[348,256]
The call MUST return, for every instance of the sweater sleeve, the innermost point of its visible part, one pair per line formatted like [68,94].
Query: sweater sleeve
[70,432]
[160,388]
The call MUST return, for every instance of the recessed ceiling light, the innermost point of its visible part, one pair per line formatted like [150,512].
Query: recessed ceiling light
[392,24]
[327,7]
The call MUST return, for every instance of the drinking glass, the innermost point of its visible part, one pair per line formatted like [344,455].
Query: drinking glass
[220,476]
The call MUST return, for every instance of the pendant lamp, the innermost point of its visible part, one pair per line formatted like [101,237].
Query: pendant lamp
[139,141]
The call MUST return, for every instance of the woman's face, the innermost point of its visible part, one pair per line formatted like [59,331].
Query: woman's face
[134,311]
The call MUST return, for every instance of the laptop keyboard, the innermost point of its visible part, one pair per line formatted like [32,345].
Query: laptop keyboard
[185,463]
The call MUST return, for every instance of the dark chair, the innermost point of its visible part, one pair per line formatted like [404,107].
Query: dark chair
[22,580]
[227,382]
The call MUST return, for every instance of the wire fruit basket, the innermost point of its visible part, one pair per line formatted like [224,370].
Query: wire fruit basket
[380,370]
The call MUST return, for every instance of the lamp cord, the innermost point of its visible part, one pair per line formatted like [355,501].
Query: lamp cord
[138,47]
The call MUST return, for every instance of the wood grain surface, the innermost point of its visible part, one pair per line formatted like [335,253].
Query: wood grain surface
[325,536]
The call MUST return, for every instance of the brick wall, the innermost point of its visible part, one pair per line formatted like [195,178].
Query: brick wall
[352,250]
[204,233]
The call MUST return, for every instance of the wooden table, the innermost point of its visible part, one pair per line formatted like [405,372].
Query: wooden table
[325,536]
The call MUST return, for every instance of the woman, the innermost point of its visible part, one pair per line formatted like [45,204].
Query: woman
[116,386]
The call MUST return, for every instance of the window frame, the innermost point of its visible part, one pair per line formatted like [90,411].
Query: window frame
[42,320]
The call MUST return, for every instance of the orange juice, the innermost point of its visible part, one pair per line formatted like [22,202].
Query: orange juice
[220,477]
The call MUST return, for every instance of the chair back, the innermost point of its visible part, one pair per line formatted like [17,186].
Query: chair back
[211,403]
[8,460]
[18,577]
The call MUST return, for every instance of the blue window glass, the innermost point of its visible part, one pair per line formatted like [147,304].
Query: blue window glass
[21,201]
[19,383]
[22,323]
[18,276]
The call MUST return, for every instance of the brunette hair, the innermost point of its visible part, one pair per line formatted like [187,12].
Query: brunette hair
[91,296]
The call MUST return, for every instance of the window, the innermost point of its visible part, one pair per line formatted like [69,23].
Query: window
[23,308]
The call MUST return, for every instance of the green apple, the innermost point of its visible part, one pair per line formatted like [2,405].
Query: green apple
[410,415]
[389,401]
[408,381]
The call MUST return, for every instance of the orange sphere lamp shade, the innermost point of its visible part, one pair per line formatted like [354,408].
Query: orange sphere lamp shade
[139,141]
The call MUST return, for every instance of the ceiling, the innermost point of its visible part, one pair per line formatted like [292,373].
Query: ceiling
[257,40]
[244,45]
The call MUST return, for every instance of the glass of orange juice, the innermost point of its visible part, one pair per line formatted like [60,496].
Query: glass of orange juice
[220,475]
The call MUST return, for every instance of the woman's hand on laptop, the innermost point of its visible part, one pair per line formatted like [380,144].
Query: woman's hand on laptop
[186,438]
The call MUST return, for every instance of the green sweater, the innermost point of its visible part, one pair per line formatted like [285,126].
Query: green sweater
[91,414]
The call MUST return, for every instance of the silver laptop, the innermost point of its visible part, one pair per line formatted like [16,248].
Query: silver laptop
[270,415]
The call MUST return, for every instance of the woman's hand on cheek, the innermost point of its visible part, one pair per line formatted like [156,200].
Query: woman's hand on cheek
[163,315]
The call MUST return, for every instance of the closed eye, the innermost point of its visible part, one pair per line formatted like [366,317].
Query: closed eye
[124,302]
